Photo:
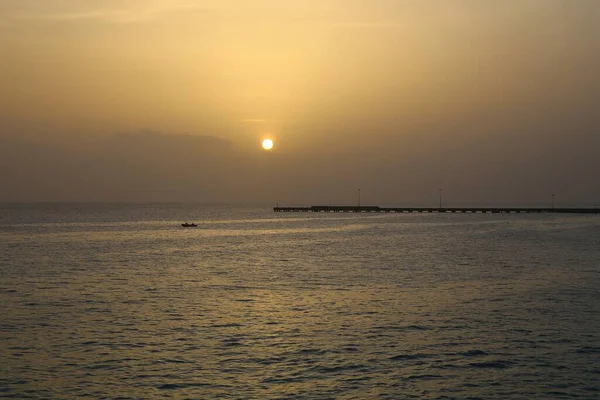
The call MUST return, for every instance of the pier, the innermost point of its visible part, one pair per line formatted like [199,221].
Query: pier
[472,210]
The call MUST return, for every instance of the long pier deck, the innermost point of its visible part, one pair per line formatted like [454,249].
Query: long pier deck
[484,210]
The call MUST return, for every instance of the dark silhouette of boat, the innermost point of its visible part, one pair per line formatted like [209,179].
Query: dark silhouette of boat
[186,225]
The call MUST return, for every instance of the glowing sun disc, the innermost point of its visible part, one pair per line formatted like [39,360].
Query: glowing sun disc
[267,144]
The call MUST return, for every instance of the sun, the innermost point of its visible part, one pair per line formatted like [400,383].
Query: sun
[267,144]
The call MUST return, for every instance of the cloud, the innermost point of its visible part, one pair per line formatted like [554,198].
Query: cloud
[123,167]
[133,11]
[495,168]
[127,12]
[368,25]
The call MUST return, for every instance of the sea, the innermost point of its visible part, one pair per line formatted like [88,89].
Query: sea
[118,301]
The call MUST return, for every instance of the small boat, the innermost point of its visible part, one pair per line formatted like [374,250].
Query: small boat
[186,225]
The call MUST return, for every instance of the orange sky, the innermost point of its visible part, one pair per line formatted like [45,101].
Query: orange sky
[485,88]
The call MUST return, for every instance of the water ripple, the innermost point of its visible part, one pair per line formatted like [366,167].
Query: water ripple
[327,307]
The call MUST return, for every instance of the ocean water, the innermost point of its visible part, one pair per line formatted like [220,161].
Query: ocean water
[119,301]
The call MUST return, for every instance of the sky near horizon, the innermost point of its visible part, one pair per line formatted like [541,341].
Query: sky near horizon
[495,102]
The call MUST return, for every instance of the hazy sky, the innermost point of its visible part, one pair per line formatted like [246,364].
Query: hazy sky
[496,102]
